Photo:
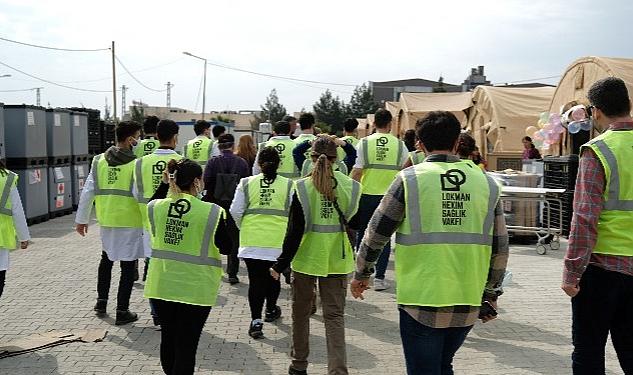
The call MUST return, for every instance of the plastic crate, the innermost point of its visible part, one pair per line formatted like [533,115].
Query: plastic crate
[560,172]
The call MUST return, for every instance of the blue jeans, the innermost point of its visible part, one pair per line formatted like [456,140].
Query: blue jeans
[366,208]
[429,351]
[604,305]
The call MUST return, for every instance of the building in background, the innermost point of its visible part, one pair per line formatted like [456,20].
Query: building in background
[476,78]
[389,91]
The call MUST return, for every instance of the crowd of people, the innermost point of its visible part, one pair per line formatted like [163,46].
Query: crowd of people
[320,211]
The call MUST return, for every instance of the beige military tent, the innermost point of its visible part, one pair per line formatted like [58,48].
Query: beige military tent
[414,106]
[582,73]
[501,114]
[394,109]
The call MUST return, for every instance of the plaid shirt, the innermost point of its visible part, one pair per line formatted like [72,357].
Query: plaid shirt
[588,201]
[388,216]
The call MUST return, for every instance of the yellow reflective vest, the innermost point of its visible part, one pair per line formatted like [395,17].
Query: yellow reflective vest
[325,248]
[115,205]
[614,149]
[199,150]
[186,264]
[382,162]
[8,240]
[146,147]
[443,248]
[284,147]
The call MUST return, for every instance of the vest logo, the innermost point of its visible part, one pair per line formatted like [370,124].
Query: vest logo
[197,143]
[159,167]
[179,208]
[452,180]
[382,141]
[382,149]
[149,147]
[280,147]
[264,184]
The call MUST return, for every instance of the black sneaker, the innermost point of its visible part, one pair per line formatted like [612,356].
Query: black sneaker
[101,306]
[125,317]
[292,371]
[272,315]
[156,320]
[255,329]
[233,280]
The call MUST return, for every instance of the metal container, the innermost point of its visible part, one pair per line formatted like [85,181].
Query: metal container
[58,135]
[79,133]
[79,174]
[60,196]
[33,188]
[25,131]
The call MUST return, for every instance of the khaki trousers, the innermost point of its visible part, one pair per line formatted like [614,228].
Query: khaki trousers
[333,290]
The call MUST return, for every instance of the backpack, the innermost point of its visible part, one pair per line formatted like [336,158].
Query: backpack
[225,185]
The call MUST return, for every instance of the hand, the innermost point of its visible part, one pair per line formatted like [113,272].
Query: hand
[357,287]
[274,274]
[338,141]
[24,245]
[571,290]
[82,229]
[488,318]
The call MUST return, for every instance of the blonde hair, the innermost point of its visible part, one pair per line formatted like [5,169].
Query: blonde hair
[323,155]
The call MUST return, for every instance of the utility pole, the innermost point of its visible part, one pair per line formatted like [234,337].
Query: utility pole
[169,86]
[38,96]
[123,106]
[113,84]
[204,80]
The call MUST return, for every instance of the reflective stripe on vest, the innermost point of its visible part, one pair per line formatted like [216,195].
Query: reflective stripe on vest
[417,236]
[4,198]
[613,202]
[99,191]
[415,157]
[265,211]
[203,259]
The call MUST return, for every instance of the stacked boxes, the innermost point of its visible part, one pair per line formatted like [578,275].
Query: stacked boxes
[26,155]
[560,173]
[81,149]
[58,136]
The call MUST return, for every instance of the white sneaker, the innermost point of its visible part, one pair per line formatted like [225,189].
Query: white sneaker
[380,284]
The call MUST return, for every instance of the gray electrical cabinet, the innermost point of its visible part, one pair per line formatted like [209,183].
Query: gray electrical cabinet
[2,156]
[60,195]
[58,136]
[25,131]
[33,188]
[79,133]
[79,174]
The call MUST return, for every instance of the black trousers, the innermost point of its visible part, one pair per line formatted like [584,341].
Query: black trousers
[604,305]
[3,274]
[126,282]
[181,326]
[233,262]
[261,286]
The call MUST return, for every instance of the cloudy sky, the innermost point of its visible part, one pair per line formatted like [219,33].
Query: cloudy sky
[345,42]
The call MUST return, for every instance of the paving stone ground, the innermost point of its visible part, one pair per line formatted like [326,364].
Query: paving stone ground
[52,286]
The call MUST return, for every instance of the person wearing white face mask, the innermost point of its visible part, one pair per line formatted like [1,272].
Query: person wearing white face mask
[109,185]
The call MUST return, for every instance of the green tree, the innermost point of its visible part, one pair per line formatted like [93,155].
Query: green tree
[361,102]
[272,110]
[137,114]
[440,85]
[331,111]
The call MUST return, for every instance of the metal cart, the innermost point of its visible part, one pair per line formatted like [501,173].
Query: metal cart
[552,205]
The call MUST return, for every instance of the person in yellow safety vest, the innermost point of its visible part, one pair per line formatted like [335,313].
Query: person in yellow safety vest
[13,228]
[200,148]
[451,248]
[109,186]
[349,135]
[306,123]
[281,142]
[148,172]
[186,269]
[598,266]
[261,205]
[149,143]
[380,158]
[342,165]
[319,251]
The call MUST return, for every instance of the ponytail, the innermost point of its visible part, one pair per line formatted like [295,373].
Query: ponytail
[323,177]
[182,174]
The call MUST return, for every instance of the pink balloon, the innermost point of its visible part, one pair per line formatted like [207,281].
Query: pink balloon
[578,114]
[559,128]
[554,118]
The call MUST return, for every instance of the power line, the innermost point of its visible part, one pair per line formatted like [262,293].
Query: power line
[17,90]
[279,77]
[51,82]
[133,77]
[55,48]
[529,80]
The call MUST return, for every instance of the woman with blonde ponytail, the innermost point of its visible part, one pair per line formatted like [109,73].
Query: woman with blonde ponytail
[318,250]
